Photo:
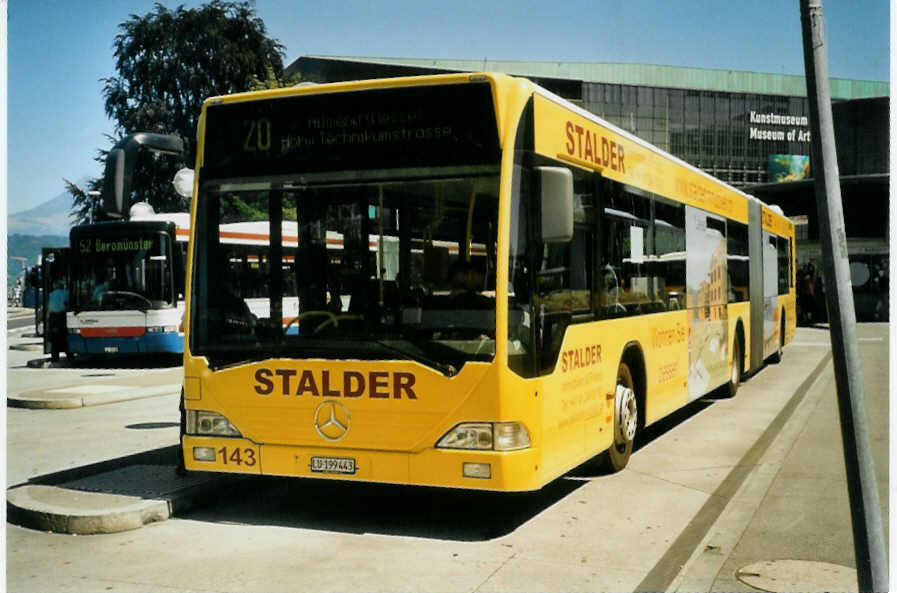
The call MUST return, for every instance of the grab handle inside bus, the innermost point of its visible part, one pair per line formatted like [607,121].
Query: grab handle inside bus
[556,195]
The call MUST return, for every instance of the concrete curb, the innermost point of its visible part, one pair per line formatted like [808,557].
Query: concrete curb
[16,401]
[61,510]
[27,347]
[113,496]
[43,399]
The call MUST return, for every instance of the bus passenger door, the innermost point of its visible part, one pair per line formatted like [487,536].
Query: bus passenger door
[706,297]
[770,295]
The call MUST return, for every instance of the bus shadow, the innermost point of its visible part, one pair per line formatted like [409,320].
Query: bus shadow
[302,503]
[383,509]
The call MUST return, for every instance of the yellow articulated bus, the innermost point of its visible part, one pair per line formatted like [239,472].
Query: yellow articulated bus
[483,285]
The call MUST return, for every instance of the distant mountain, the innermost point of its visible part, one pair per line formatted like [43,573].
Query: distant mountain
[49,218]
[46,225]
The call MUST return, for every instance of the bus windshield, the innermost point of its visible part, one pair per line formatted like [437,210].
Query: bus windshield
[121,271]
[381,270]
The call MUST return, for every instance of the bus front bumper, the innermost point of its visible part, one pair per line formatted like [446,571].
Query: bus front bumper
[172,342]
[509,471]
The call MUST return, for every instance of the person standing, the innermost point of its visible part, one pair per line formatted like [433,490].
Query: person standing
[806,299]
[57,305]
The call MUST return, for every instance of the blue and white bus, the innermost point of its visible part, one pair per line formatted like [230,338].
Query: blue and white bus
[126,286]
[126,274]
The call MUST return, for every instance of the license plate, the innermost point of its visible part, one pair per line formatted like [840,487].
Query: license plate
[111,349]
[333,465]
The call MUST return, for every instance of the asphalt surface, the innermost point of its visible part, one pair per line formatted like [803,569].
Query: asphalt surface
[780,496]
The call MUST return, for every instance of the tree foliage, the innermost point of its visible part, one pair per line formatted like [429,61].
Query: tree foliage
[272,81]
[82,205]
[168,63]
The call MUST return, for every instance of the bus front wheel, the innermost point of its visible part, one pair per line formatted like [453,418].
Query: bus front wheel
[625,422]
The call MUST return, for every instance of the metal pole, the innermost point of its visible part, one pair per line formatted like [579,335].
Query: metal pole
[865,508]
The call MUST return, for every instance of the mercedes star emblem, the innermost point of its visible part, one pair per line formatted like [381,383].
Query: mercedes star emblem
[332,420]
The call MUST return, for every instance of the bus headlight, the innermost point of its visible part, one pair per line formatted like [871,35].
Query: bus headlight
[510,436]
[469,435]
[489,436]
[74,331]
[159,329]
[202,422]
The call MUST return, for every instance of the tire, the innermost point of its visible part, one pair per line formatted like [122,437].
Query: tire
[737,367]
[626,418]
[777,355]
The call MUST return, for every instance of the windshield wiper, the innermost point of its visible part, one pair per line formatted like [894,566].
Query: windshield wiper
[221,362]
[444,368]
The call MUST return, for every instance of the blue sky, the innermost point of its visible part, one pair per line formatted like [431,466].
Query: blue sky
[59,50]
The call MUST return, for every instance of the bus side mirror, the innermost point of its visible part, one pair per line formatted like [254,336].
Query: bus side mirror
[116,182]
[120,167]
[556,196]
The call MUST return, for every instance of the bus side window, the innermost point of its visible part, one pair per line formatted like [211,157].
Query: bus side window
[783,250]
[564,274]
[669,254]
[738,262]
[627,287]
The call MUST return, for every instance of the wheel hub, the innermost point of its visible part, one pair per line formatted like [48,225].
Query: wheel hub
[627,413]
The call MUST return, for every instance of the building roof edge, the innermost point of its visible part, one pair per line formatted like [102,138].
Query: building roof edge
[638,74]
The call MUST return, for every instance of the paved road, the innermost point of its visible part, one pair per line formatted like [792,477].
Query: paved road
[20,321]
[46,441]
[719,487]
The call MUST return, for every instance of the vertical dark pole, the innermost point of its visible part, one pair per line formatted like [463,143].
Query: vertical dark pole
[275,260]
[868,537]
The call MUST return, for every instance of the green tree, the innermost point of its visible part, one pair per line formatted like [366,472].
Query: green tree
[168,63]
[82,203]
[272,81]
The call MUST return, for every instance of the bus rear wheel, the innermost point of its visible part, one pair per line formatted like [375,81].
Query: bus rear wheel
[777,355]
[735,372]
[626,414]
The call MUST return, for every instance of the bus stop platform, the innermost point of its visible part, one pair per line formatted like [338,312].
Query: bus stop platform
[83,395]
[113,496]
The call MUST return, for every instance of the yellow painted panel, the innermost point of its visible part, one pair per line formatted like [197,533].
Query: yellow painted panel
[577,399]
[568,136]
[740,312]
[231,455]
[509,471]
[776,223]
[789,303]
[399,406]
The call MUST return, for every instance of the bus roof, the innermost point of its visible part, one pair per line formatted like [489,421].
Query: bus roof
[181,220]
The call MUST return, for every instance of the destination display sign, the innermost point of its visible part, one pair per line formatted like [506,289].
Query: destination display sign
[113,245]
[408,127]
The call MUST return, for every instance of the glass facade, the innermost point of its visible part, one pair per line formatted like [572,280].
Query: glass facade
[729,135]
